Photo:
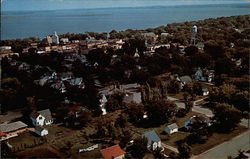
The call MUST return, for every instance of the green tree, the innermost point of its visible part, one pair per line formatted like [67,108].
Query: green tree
[226,116]
[184,150]
[139,147]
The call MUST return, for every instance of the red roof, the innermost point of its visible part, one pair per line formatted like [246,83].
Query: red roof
[2,134]
[112,152]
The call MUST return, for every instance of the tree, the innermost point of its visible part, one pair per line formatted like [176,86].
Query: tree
[125,138]
[115,102]
[139,148]
[189,105]
[226,116]
[135,113]
[184,150]
[224,66]
[241,100]
[222,94]
[191,50]
[85,117]
[160,112]
[122,120]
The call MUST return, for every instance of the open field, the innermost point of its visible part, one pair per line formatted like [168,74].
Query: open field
[44,151]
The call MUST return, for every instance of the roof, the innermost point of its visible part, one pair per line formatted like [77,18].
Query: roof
[152,136]
[112,152]
[172,126]
[5,128]
[46,113]
[204,89]
[2,134]
[148,34]
[186,79]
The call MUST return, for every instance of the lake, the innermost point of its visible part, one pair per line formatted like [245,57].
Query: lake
[23,24]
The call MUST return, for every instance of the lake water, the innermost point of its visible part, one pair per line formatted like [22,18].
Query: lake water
[24,24]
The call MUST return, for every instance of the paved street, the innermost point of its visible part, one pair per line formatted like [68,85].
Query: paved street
[196,108]
[227,148]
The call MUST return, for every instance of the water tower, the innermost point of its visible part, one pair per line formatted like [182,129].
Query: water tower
[193,36]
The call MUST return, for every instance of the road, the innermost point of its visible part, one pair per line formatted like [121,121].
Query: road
[196,108]
[170,148]
[229,148]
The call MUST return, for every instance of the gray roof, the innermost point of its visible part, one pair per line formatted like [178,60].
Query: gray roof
[172,126]
[185,79]
[12,126]
[148,34]
[204,89]
[152,136]
[46,113]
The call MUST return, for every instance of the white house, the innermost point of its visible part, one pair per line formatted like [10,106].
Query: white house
[172,128]
[41,118]
[205,91]
[41,131]
[154,140]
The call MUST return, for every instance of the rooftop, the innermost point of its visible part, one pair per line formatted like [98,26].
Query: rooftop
[112,152]
[152,136]
[5,128]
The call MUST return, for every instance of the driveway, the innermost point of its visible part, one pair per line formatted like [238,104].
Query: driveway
[229,148]
[196,108]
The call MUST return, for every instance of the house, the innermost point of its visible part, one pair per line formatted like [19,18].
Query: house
[197,119]
[185,80]
[113,152]
[154,140]
[135,97]
[172,128]
[41,131]
[12,129]
[165,34]
[24,67]
[59,85]
[200,45]
[77,82]
[41,118]
[204,75]
[205,91]
[64,40]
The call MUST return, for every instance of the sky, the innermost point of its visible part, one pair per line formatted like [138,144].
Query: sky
[27,5]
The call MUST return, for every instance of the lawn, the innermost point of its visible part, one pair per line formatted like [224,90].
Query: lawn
[217,139]
[43,151]
[26,139]
[171,139]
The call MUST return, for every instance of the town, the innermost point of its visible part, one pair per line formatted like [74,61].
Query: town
[175,91]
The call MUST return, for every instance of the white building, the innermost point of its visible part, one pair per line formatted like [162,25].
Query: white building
[55,38]
[64,40]
[41,118]
[154,140]
[172,128]
[41,131]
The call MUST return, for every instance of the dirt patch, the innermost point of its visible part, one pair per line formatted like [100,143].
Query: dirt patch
[44,151]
